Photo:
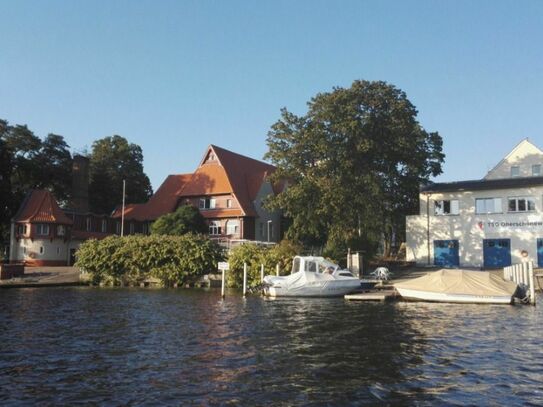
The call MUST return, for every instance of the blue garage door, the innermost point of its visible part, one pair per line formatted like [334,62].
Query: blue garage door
[497,252]
[446,253]
[540,252]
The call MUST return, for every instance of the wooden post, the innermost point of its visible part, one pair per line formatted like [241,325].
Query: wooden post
[244,279]
[277,269]
[532,283]
[261,273]
[222,284]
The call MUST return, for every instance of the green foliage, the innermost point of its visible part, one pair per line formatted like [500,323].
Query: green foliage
[255,256]
[186,219]
[113,160]
[132,259]
[27,162]
[354,164]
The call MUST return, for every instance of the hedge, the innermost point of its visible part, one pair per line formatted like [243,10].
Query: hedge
[132,259]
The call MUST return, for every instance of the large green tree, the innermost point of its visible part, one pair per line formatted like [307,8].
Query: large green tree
[186,219]
[354,163]
[112,160]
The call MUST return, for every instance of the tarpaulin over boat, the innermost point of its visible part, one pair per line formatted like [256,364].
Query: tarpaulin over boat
[460,282]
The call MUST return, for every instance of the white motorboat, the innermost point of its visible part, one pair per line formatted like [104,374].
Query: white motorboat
[312,277]
[459,286]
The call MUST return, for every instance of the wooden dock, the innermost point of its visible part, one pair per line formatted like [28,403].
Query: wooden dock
[374,295]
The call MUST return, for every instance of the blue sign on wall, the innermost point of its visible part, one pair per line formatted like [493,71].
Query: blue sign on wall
[540,252]
[497,253]
[446,253]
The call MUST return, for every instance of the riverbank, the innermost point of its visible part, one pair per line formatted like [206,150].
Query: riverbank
[45,277]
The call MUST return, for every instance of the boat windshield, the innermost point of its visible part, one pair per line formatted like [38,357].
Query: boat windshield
[295,265]
[327,267]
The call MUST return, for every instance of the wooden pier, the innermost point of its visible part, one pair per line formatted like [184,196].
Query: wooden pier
[374,295]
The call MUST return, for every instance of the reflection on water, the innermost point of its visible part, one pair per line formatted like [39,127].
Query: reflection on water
[142,346]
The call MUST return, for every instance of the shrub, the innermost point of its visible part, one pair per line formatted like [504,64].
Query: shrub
[132,259]
[255,256]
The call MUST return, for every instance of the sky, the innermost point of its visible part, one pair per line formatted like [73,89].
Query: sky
[176,76]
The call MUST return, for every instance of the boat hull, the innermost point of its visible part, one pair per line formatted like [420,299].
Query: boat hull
[326,289]
[416,295]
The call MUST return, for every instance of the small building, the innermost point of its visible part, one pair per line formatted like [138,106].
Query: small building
[42,234]
[490,223]
[228,188]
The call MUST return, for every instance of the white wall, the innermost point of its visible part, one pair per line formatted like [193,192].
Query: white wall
[470,228]
[524,155]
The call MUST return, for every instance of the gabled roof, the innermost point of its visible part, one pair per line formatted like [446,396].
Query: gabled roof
[525,144]
[225,173]
[246,176]
[40,206]
[163,201]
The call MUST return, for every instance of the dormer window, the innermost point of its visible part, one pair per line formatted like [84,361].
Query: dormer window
[42,229]
[536,170]
[207,203]
[515,171]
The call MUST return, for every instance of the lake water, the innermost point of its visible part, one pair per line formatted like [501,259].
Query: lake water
[171,347]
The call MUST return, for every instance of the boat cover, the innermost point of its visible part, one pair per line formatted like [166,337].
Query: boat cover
[466,282]
[298,280]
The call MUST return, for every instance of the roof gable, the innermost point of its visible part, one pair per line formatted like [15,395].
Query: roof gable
[41,206]
[524,155]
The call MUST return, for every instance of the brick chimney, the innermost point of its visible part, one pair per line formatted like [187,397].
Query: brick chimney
[80,184]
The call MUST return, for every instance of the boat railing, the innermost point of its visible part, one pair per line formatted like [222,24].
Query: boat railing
[523,275]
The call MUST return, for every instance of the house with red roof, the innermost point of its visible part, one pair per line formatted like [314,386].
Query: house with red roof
[43,234]
[228,188]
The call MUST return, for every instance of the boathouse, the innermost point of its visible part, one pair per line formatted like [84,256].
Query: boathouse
[491,222]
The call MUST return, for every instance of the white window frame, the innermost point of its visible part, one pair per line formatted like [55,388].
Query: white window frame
[207,203]
[215,228]
[484,206]
[104,226]
[515,171]
[42,229]
[440,204]
[228,203]
[61,230]
[528,202]
[232,227]
[538,172]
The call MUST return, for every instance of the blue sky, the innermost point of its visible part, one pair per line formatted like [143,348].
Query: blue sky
[175,76]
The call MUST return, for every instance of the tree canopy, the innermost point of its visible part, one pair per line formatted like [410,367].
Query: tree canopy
[112,160]
[27,162]
[186,219]
[354,163]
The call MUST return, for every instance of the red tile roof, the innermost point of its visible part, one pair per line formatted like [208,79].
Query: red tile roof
[40,206]
[245,175]
[228,173]
[163,201]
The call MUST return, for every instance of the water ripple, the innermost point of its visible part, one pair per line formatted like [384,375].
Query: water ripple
[164,347]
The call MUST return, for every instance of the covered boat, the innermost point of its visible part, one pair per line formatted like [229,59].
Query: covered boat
[312,277]
[461,286]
